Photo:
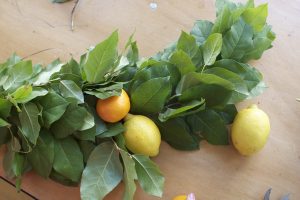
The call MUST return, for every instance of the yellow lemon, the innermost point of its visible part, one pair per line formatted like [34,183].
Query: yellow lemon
[141,135]
[180,197]
[250,130]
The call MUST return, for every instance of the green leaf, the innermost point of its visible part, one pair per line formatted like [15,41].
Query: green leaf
[22,92]
[129,175]
[88,134]
[42,155]
[112,130]
[177,133]
[211,126]
[101,59]
[237,41]
[36,92]
[187,43]
[102,173]
[133,54]
[223,21]
[87,121]
[195,86]
[69,71]
[183,110]
[228,113]
[149,175]
[183,62]
[240,92]
[54,107]
[5,107]
[44,76]
[106,92]
[211,48]
[261,42]
[165,54]
[69,89]
[68,159]
[29,121]
[201,30]
[70,121]
[87,148]
[151,96]
[18,73]
[220,5]
[251,76]
[14,165]
[153,69]
[256,17]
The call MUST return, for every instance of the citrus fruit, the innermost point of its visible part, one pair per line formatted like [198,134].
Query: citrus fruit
[180,197]
[141,135]
[114,108]
[250,130]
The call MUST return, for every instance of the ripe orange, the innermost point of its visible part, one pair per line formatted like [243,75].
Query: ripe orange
[113,109]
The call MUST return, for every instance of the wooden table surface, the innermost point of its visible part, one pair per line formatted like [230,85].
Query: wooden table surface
[214,172]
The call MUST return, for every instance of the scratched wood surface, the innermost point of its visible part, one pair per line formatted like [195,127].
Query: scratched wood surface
[214,172]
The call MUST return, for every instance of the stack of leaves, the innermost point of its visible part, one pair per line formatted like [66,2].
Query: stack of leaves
[47,113]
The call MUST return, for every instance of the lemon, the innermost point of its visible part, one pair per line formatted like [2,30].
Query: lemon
[180,197]
[141,135]
[250,130]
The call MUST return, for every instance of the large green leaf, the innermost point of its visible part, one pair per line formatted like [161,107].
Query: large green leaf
[211,48]
[210,125]
[88,134]
[151,96]
[261,42]
[62,179]
[129,175]
[72,120]
[251,76]
[35,92]
[195,86]
[183,62]
[18,73]
[223,21]
[149,175]
[237,41]
[187,43]
[54,107]
[152,70]
[44,76]
[201,30]
[102,173]
[70,90]
[42,155]
[256,17]
[3,123]
[69,71]
[22,92]
[30,122]
[68,159]
[101,59]
[228,113]
[177,133]
[87,148]
[240,87]
[183,110]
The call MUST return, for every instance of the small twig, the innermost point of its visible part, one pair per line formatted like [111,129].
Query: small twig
[73,14]
[35,53]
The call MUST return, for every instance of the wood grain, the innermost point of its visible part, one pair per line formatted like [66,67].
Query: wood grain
[214,172]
